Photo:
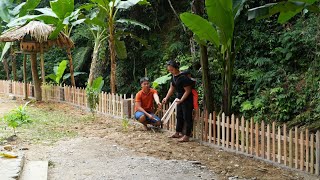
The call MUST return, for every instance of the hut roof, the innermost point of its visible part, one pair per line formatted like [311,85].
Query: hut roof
[38,31]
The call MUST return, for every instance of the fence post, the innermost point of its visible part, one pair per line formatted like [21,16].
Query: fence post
[317,152]
[61,93]
[10,86]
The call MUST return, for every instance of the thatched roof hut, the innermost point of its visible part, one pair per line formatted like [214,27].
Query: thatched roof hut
[37,32]
[33,38]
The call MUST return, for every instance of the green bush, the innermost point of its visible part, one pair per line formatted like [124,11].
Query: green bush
[16,117]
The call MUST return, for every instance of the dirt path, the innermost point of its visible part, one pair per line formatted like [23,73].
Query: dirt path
[96,158]
[104,149]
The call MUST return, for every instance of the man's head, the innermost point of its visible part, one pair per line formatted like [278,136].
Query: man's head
[173,66]
[144,82]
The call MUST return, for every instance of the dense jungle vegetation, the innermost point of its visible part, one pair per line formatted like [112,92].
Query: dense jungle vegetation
[276,69]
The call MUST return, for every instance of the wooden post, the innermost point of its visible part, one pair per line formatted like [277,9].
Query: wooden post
[25,76]
[247,137]
[285,144]
[232,131]
[268,141]
[301,151]
[307,150]
[223,129]
[279,145]
[206,117]
[218,127]
[318,153]
[312,154]
[262,140]
[35,77]
[228,132]
[237,134]
[242,134]
[273,141]
[210,128]
[251,136]
[296,143]
[257,139]
[290,148]
[214,127]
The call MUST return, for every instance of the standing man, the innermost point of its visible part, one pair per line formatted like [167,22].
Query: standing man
[144,104]
[183,87]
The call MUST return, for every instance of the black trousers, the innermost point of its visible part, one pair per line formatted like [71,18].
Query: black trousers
[184,118]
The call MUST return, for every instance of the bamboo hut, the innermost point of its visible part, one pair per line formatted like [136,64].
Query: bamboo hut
[34,38]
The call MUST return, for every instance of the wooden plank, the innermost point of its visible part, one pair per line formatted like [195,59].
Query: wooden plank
[232,131]
[296,143]
[285,144]
[214,127]
[307,150]
[210,128]
[290,148]
[242,134]
[247,137]
[279,144]
[256,145]
[218,134]
[262,140]
[268,141]
[318,153]
[206,125]
[237,134]
[301,151]
[273,141]
[228,132]
[251,136]
[312,155]
[167,115]
[223,130]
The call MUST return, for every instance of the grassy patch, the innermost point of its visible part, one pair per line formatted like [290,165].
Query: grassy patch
[50,122]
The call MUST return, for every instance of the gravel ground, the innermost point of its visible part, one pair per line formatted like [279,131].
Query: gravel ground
[95,158]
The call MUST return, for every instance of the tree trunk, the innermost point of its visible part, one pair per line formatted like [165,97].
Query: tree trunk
[35,77]
[112,50]
[73,82]
[198,8]
[14,67]
[25,76]
[42,65]
[207,90]
[94,62]
[6,68]
[227,84]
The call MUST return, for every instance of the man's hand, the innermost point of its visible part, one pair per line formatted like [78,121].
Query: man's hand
[178,101]
[159,105]
[164,100]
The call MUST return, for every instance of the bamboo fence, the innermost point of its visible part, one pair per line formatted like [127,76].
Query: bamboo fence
[294,148]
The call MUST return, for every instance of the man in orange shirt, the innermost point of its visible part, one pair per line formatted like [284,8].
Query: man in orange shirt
[144,104]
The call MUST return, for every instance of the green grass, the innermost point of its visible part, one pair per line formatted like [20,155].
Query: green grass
[48,125]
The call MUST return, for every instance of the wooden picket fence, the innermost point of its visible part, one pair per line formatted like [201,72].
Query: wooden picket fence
[294,148]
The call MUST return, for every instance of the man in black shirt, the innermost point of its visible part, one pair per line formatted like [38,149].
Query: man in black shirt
[183,86]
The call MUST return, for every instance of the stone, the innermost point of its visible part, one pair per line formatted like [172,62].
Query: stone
[8,147]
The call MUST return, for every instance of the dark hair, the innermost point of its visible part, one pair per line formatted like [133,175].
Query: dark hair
[186,72]
[143,79]
[173,63]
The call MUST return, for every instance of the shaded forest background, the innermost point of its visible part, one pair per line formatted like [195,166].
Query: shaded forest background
[275,75]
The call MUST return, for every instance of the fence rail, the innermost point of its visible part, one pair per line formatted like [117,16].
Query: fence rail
[294,148]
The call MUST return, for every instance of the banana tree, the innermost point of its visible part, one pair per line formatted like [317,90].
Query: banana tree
[287,9]
[219,30]
[116,46]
